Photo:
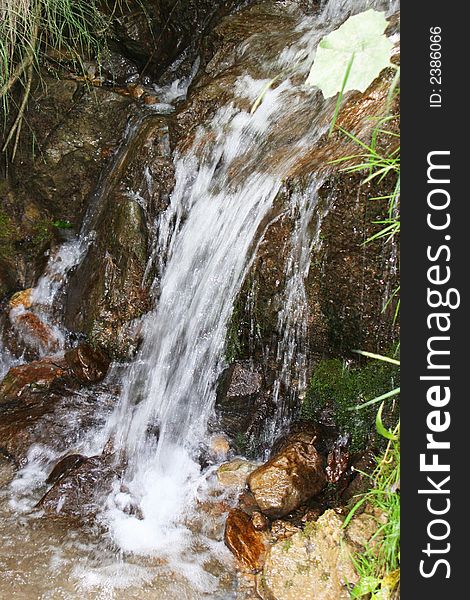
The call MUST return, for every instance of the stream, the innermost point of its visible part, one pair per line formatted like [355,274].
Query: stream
[158,528]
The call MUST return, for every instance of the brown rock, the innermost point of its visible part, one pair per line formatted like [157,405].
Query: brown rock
[282,530]
[36,376]
[288,479]
[88,365]
[35,332]
[64,466]
[246,543]
[75,495]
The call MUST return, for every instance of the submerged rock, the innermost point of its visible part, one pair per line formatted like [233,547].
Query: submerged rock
[247,543]
[75,494]
[288,479]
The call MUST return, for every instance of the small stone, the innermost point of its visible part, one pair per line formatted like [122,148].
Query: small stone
[220,446]
[235,473]
[22,298]
[281,530]
[259,521]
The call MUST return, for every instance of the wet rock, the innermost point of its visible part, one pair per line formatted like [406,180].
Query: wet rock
[76,494]
[246,543]
[109,291]
[235,473]
[64,466]
[40,403]
[69,127]
[33,332]
[219,447]
[259,521]
[89,365]
[22,298]
[241,404]
[313,565]
[282,530]
[288,479]
[338,460]
[359,481]
[36,377]
[156,33]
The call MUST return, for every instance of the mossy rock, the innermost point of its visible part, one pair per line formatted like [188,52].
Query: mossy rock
[337,389]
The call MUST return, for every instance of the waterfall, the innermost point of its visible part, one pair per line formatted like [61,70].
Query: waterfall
[225,187]
[203,244]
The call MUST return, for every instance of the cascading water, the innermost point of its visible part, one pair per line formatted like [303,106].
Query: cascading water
[225,188]
[205,241]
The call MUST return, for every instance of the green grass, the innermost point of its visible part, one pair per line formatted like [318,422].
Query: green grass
[378,565]
[29,31]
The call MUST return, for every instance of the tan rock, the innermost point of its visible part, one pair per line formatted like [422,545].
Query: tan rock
[312,565]
[235,473]
[220,446]
[22,298]
[287,480]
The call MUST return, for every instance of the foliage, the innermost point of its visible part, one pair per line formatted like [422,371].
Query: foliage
[29,31]
[358,47]
[340,388]
[378,565]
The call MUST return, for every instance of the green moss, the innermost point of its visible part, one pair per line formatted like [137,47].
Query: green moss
[8,235]
[341,388]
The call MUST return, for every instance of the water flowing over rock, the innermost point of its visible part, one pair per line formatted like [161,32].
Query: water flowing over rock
[185,261]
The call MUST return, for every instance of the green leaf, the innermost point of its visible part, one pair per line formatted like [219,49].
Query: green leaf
[365,586]
[360,45]
[381,429]
[60,224]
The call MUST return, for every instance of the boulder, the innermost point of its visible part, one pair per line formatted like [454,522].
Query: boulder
[247,543]
[89,365]
[75,494]
[313,564]
[288,479]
